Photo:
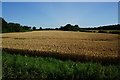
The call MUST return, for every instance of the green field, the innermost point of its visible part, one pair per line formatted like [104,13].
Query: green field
[20,67]
[104,31]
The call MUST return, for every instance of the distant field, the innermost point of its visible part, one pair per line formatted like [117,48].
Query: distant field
[64,43]
[104,30]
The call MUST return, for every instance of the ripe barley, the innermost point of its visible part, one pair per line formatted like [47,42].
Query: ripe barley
[64,42]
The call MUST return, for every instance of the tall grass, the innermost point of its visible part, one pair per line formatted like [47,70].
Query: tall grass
[24,67]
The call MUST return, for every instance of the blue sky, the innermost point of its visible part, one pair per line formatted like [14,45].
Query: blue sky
[56,14]
[0,9]
[60,0]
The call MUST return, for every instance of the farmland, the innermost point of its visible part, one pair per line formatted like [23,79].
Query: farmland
[65,44]
[79,55]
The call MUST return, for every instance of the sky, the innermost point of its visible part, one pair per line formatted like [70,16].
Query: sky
[60,0]
[0,9]
[56,14]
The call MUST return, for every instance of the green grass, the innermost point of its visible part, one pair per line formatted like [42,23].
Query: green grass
[104,31]
[115,32]
[24,67]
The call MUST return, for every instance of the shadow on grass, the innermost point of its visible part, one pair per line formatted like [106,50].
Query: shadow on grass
[64,57]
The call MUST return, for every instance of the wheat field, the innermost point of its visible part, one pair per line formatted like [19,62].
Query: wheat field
[100,45]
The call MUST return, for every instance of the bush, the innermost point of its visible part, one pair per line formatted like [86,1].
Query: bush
[102,31]
[115,32]
[82,30]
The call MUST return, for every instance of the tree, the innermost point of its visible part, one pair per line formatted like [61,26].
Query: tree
[70,27]
[26,28]
[56,28]
[40,28]
[34,28]
[4,26]
[12,27]
[76,28]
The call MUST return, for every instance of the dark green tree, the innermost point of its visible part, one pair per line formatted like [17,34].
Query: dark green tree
[26,28]
[11,27]
[40,28]
[34,28]
[70,27]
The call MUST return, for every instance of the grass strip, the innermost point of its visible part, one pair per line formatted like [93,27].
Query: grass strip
[24,67]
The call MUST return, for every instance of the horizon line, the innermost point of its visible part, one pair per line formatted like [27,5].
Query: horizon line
[62,25]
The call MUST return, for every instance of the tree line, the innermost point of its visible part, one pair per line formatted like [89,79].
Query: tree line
[15,27]
[108,27]
[70,27]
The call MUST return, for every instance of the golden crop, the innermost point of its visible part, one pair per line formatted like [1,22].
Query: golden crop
[64,42]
